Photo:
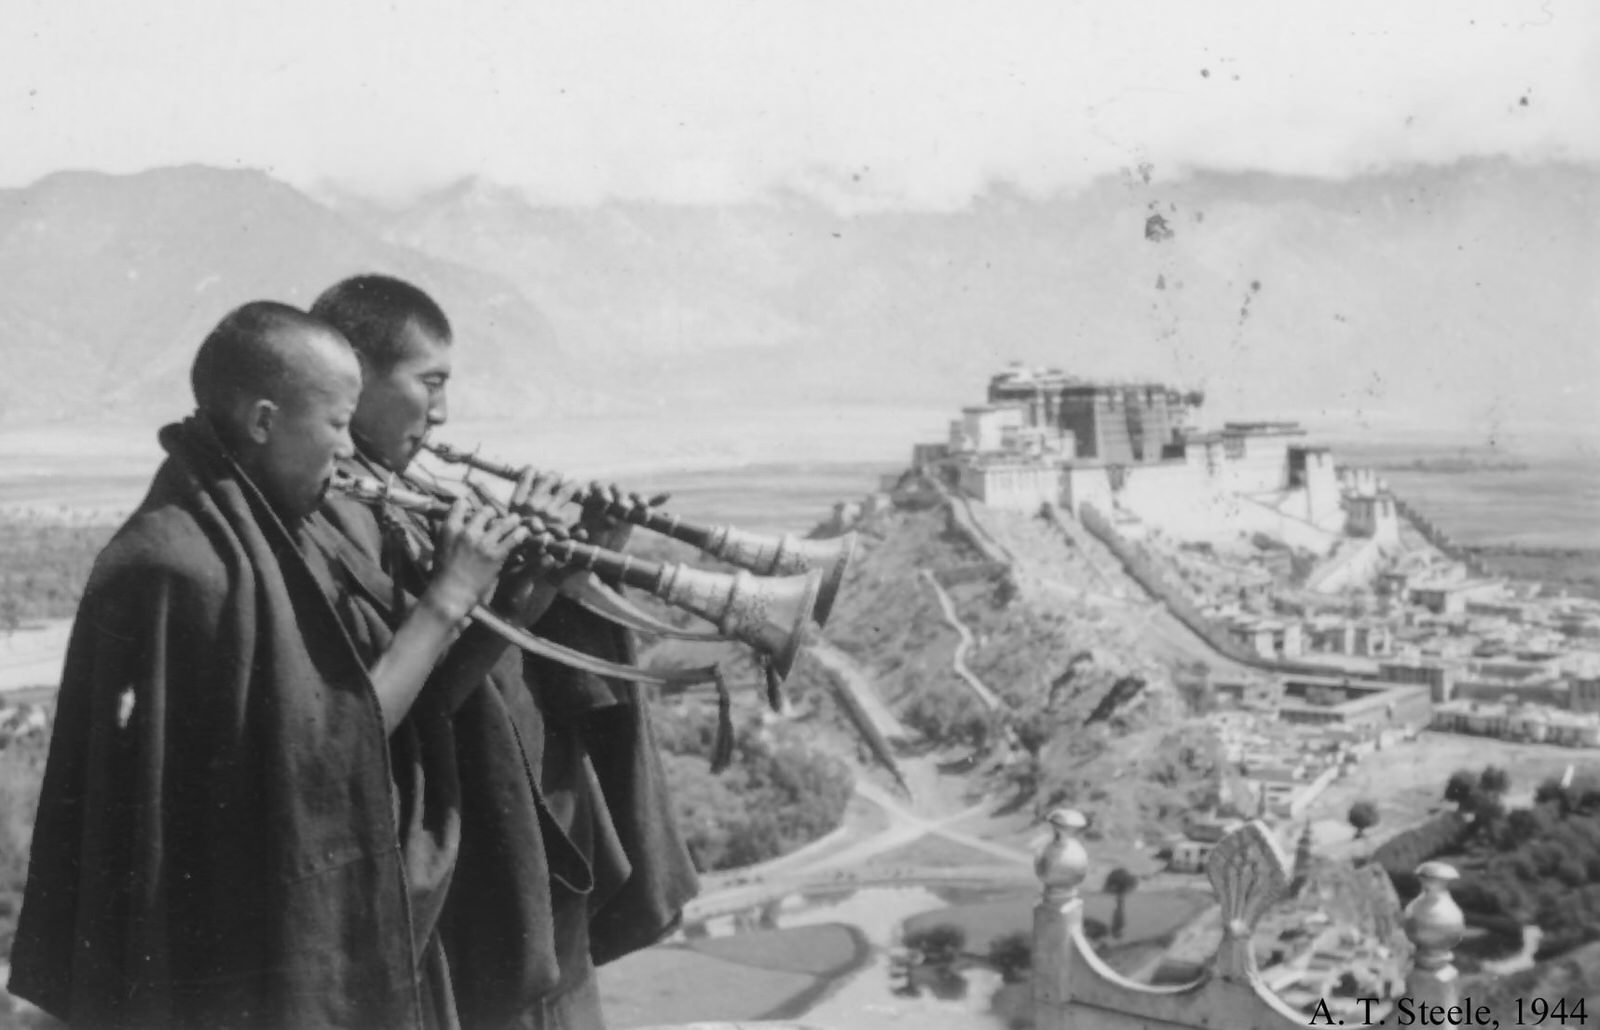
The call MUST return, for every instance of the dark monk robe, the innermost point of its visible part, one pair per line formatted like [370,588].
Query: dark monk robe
[599,778]
[464,793]
[219,833]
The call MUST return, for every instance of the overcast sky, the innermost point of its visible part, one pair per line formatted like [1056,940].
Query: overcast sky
[916,104]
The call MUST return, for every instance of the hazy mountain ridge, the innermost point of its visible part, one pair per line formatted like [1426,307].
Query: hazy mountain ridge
[1469,290]
[1466,291]
[113,281]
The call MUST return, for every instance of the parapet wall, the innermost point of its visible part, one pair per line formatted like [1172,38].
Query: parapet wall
[1358,562]
[961,522]
[1439,538]
[1144,571]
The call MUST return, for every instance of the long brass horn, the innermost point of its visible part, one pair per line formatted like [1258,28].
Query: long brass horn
[769,614]
[590,592]
[785,555]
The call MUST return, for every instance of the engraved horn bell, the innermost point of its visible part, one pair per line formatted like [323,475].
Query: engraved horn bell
[788,555]
[769,614]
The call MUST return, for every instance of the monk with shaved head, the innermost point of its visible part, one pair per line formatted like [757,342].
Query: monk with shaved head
[230,833]
[277,387]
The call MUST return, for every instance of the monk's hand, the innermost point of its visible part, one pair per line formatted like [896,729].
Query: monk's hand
[528,591]
[472,549]
[541,495]
[605,511]
[529,481]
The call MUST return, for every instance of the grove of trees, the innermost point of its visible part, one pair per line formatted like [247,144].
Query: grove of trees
[774,797]
[1538,865]
[1011,955]
[947,714]
[937,944]
[1480,797]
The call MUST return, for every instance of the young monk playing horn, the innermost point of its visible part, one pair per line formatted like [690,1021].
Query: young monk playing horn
[222,838]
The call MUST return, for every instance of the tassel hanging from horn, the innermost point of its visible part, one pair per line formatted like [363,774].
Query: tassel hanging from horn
[774,685]
[722,747]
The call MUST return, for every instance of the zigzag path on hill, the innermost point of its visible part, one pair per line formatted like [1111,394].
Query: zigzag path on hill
[959,661]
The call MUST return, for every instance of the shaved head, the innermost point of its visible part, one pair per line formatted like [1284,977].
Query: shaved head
[264,351]
[280,387]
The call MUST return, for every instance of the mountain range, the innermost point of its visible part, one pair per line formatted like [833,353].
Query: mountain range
[1469,292]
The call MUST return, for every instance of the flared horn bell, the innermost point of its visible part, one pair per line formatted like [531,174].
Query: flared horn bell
[787,555]
[769,613]
[829,557]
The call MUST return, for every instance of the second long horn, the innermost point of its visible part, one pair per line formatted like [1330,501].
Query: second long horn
[784,555]
[770,613]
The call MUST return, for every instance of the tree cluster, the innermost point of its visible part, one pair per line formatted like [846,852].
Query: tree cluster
[941,943]
[1011,955]
[1538,865]
[774,797]
[947,713]
[937,955]
[933,963]
[1480,797]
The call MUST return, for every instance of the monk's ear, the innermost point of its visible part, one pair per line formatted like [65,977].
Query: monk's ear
[260,417]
